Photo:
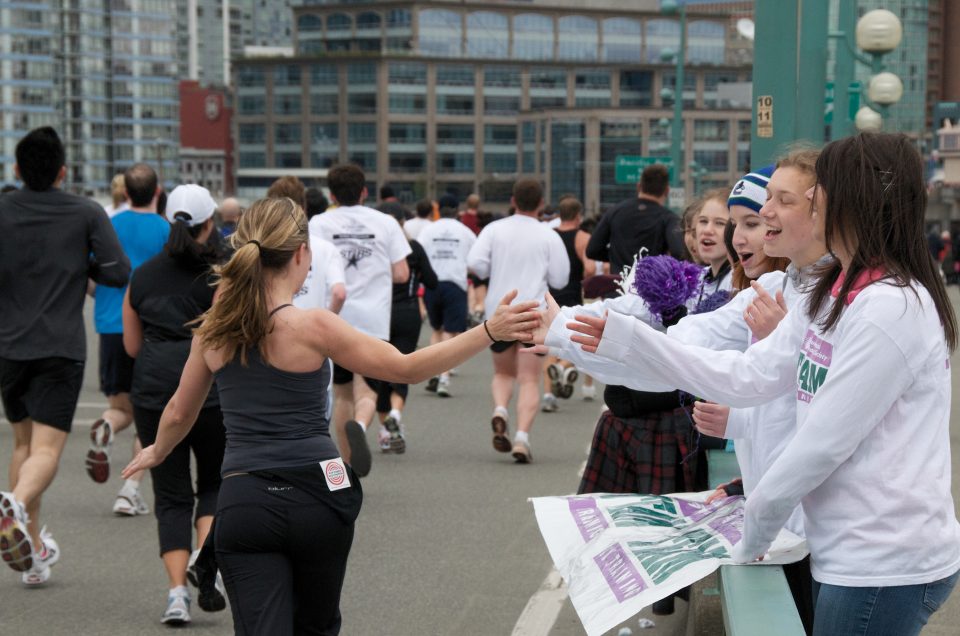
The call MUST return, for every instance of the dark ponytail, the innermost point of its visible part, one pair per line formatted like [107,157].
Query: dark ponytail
[183,247]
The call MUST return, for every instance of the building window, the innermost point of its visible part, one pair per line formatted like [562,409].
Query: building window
[251,76]
[407,104]
[407,73]
[501,76]
[366,160]
[362,103]
[455,134]
[251,105]
[501,105]
[548,78]
[566,159]
[253,160]
[323,75]
[712,160]
[533,37]
[454,162]
[324,145]
[309,22]
[689,88]
[368,21]
[455,104]
[488,35]
[499,135]
[339,22]
[284,134]
[616,139]
[408,134]
[662,37]
[407,162]
[705,42]
[441,33]
[500,163]
[286,104]
[577,38]
[288,159]
[710,130]
[397,18]
[592,88]
[622,40]
[361,133]
[636,88]
[361,74]
[286,75]
[324,103]
[455,76]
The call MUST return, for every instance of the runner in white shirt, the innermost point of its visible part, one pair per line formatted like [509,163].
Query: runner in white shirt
[868,359]
[325,286]
[518,250]
[374,251]
[447,243]
[414,226]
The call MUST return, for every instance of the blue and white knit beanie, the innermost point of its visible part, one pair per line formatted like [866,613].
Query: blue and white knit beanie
[750,190]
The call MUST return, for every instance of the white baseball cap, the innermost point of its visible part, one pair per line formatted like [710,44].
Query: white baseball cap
[190,203]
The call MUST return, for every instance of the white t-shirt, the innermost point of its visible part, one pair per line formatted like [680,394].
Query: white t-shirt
[369,242]
[326,270]
[447,243]
[414,226]
[519,252]
[871,457]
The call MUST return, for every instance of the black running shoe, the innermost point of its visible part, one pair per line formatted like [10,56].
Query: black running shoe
[432,384]
[359,449]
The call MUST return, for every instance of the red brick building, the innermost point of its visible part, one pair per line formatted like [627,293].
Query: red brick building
[206,146]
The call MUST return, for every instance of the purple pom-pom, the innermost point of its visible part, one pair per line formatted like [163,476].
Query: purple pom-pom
[665,283]
[716,300]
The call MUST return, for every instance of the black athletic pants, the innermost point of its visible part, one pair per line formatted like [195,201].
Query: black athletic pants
[282,551]
[404,335]
[173,493]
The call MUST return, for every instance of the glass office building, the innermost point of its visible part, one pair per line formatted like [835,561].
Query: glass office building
[464,97]
[103,73]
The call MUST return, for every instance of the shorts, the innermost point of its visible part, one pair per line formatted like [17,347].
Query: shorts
[476,281]
[345,376]
[116,367]
[44,390]
[447,307]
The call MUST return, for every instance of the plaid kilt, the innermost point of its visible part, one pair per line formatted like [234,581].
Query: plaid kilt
[642,455]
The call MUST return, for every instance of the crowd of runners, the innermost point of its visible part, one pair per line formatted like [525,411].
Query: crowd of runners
[265,343]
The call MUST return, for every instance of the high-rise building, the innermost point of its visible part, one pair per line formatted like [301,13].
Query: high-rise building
[464,96]
[212,32]
[103,73]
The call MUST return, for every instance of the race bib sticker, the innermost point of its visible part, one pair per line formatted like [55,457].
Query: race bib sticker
[336,474]
[816,355]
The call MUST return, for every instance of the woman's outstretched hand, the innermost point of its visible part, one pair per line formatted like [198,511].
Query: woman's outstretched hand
[589,331]
[146,458]
[765,312]
[514,322]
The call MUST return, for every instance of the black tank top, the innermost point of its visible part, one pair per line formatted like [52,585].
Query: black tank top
[273,418]
[572,293]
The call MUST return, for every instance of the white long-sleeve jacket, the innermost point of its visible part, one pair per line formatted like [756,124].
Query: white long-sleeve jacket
[871,457]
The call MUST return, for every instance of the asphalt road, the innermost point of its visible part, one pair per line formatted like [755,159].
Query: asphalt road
[446,542]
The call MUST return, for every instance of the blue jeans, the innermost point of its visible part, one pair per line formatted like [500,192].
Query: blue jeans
[900,610]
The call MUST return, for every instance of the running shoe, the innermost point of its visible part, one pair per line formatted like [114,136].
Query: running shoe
[359,449]
[178,609]
[565,391]
[588,393]
[47,556]
[443,389]
[555,373]
[98,457]
[569,380]
[396,441]
[130,503]
[432,384]
[501,441]
[549,404]
[521,452]
[383,439]
[16,548]
[212,595]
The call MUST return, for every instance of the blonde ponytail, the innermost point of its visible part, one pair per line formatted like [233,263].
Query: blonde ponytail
[268,235]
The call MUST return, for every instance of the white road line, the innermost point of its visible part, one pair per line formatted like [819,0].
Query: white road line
[540,614]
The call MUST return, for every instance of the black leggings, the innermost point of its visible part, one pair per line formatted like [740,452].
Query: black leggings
[283,555]
[172,491]
[404,335]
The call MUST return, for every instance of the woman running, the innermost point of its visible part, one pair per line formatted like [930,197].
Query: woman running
[288,502]
[166,293]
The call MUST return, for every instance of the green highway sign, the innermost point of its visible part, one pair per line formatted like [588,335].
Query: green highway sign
[629,167]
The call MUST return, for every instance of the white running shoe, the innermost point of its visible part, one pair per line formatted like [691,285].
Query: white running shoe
[588,393]
[98,457]
[47,556]
[16,548]
[178,608]
[549,404]
[383,439]
[130,503]
[443,388]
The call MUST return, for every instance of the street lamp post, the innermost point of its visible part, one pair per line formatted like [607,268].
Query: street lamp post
[676,126]
[878,32]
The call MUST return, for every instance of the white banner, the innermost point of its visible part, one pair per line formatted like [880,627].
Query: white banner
[621,553]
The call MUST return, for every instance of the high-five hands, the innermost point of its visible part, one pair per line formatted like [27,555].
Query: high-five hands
[514,322]
[589,331]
